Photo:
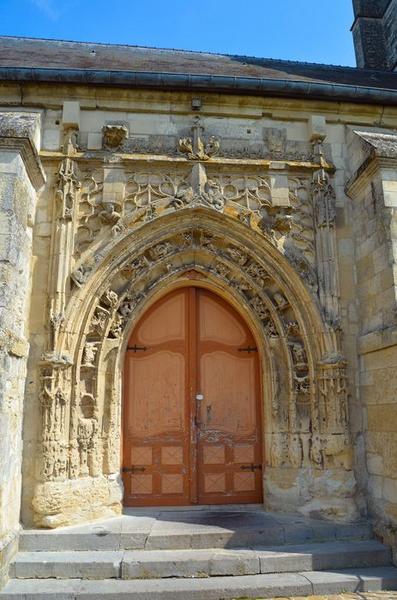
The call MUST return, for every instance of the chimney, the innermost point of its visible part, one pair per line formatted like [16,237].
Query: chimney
[375,34]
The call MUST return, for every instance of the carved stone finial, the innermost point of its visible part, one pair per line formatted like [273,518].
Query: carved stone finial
[195,147]
[114,136]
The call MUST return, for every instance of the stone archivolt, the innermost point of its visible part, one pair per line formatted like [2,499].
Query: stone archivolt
[125,236]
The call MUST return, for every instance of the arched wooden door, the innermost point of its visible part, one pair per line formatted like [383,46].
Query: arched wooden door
[192,417]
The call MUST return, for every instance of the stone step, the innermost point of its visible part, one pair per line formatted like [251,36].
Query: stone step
[189,530]
[213,588]
[152,564]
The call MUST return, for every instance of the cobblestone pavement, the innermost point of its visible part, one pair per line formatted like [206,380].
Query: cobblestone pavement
[349,596]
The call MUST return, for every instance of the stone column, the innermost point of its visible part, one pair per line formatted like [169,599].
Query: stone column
[21,176]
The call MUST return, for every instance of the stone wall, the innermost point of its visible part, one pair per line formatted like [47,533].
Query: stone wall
[390,21]
[375,34]
[373,189]
[20,177]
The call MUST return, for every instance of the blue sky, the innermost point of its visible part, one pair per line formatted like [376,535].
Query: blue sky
[306,30]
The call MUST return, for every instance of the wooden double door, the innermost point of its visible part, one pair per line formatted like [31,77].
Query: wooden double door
[192,417]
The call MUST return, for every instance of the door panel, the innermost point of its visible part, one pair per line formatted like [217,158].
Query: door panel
[179,450]
[229,414]
[156,432]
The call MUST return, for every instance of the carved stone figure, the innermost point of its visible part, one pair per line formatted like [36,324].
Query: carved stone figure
[161,250]
[98,322]
[299,355]
[114,136]
[89,353]
[81,274]
[129,304]
[238,257]
[280,300]
[195,148]
[260,308]
[109,214]
[302,384]
[110,298]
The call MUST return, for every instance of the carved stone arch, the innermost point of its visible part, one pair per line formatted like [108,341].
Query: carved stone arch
[305,374]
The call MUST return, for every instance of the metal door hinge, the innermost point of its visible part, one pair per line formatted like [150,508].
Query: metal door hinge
[251,467]
[134,469]
[136,348]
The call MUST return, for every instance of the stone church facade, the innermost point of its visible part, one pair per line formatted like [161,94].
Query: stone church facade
[128,173]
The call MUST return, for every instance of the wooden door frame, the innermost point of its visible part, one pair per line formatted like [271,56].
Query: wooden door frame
[192,280]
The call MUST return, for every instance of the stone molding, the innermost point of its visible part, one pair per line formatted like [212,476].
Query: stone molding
[19,133]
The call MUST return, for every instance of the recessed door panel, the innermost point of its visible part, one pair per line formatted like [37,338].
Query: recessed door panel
[192,422]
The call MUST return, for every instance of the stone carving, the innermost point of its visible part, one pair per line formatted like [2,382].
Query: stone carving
[109,214]
[222,270]
[98,322]
[161,250]
[67,192]
[68,185]
[237,256]
[89,353]
[109,298]
[280,301]
[299,355]
[114,136]
[258,274]
[54,459]
[195,147]
[332,383]
[276,141]
[129,303]
[302,384]
[325,240]
[81,274]
[260,308]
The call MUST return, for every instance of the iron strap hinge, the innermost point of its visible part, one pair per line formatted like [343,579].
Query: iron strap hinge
[136,348]
[251,467]
[133,469]
[248,349]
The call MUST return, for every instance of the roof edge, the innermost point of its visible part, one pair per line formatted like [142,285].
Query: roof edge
[204,83]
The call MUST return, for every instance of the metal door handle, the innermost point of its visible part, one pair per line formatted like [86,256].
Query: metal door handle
[199,397]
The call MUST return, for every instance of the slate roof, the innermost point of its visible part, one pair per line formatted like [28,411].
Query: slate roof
[29,52]
[40,54]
